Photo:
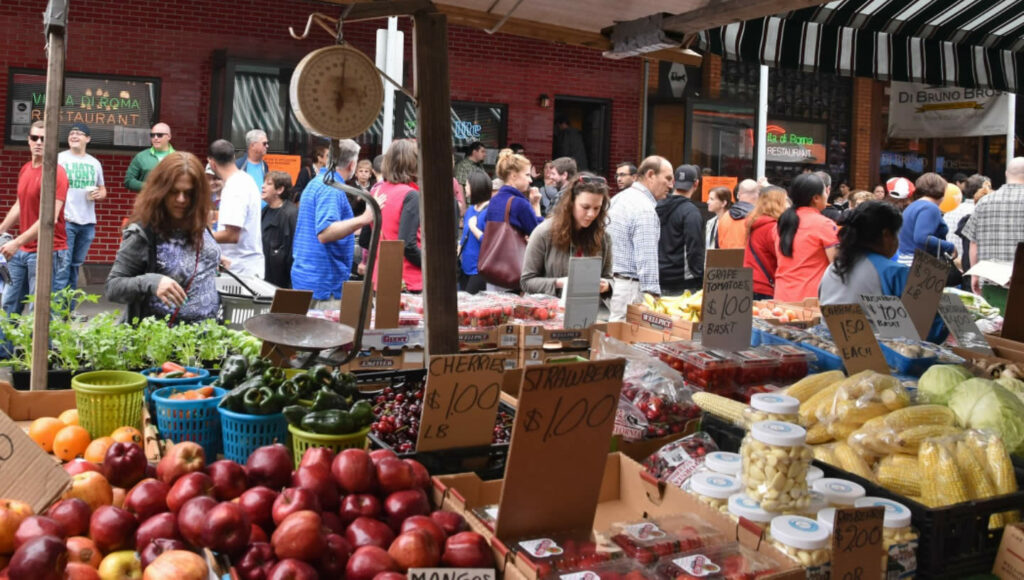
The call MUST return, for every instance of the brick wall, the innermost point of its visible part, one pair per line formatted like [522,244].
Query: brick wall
[175,42]
[862,173]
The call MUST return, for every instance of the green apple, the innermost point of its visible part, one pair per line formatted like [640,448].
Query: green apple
[121,565]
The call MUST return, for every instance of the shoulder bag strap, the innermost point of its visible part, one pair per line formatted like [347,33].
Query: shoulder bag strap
[771,280]
[508,209]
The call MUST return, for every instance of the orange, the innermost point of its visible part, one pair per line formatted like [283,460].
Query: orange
[97,449]
[127,434]
[43,430]
[69,417]
[70,442]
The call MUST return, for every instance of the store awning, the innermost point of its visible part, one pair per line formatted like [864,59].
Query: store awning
[966,43]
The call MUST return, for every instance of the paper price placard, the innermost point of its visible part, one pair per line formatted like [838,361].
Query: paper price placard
[559,447]
[888,316]
[962,326]
[925,282]
[854,338]
[460,401]
[726,317]
[857,543]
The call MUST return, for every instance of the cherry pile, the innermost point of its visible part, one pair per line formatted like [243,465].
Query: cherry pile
[397,411]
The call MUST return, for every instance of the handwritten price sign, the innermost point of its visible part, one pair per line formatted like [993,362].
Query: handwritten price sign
[925,282]
[460,402]
[857,543]
[561,434]
[854,338]
[888,316]
[726,310]
[962,326]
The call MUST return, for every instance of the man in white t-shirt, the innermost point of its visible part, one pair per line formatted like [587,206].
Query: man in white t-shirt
[85,186]
[238,225]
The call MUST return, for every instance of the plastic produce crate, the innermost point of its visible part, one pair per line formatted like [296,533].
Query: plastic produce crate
[954,542]
[905,365]
[239,304]
[487,461]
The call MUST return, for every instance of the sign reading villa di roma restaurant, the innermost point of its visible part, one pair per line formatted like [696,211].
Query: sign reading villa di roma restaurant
[795,142]
[119,111]
[917,111]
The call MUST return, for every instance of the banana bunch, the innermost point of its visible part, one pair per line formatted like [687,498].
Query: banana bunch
[685,306]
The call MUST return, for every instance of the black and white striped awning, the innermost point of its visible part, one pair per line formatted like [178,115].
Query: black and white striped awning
[966,43]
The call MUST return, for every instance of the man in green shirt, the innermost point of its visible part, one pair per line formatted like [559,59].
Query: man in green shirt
[147,159]
[474,159]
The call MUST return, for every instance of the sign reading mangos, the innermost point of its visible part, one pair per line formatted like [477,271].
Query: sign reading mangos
[119,111]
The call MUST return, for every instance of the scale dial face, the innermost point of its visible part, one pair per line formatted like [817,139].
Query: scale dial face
[337,92]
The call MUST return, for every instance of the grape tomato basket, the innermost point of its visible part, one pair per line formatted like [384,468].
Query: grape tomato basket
[243,297]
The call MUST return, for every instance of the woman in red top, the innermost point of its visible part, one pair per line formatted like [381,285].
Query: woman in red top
[762,237]
[400,209]
[807,241]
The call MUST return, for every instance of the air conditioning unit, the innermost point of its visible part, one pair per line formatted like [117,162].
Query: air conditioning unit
[640,36]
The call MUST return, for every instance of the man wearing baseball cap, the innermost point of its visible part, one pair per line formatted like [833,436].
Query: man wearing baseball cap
[681,245]
[85,186]
[901,191]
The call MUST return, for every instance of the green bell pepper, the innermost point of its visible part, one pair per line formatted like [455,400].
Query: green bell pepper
[321,375]
[288,393]
[362,413]
[294,414]
[327,399]
[273,377]
[344,383]
[331,422]
[232,370]
[234,401]
[305,385]
[257,365]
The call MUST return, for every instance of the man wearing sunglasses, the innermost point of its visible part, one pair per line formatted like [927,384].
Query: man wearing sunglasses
[256,145]
[20,252]
[147,159]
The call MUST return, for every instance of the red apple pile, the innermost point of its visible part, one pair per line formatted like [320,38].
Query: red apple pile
[357,515]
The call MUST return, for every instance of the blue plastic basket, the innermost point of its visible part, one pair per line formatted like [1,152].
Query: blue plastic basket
[196,421]
[914,367]
[824,360]
[153,383]
[243,434]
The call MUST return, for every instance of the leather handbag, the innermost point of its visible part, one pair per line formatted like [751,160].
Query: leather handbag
[501,253]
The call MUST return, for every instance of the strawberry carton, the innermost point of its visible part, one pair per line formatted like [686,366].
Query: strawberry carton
[565,551]
[671,353]
[621,569]
[650,539]
[721,562]
[540,307]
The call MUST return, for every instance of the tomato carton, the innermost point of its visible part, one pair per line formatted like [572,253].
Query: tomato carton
[539,307]
[648,540]
[722,562]
[671,353]
[711,370]
[756,367]
[794,362]
[564,552]
[620,569]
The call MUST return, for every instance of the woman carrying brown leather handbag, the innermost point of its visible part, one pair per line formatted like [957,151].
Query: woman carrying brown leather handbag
[511,217]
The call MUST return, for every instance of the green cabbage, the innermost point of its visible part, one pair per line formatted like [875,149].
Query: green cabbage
[984,404]
[1015,386]
[937,383]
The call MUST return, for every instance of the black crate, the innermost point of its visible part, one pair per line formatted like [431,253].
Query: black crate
[954,542]
[370,384]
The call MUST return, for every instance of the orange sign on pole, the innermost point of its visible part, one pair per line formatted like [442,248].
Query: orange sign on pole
[708,182]
[290,164]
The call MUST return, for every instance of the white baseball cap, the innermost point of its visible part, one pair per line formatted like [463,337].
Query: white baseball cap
[900,187]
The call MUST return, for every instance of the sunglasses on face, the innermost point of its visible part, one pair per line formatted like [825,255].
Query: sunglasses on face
[36,138]
[157,135]
[591,179]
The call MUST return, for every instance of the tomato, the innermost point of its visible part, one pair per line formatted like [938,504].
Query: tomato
[170,367]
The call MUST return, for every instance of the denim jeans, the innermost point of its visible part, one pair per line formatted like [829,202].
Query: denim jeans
[22,267]
[80,237]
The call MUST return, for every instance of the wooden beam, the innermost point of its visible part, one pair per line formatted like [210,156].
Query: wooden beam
[722,12]
[47,204]
[364,10]
[680,55]
[525,28]
[437,207]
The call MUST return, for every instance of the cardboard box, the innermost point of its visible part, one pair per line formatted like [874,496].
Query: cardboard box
[539,356]
[497,337]
[29,405]
[26,472]
[640,450]
[628,333]
[387,360]
[1009,563]
[536,336]
[1010,350]
[625,495]
[640,315]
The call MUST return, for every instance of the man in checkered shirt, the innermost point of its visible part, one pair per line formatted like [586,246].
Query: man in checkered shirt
[996,227]
[635,229]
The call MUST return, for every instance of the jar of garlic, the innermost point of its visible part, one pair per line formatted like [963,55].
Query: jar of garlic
[899,540]
[805,541]
[741,506]
[714,489]
[839,493]
[775,458]
[771,407]
[724,462]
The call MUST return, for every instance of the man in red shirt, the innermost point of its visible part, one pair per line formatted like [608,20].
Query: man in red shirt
[20,252]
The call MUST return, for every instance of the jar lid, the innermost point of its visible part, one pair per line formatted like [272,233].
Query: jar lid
[773,403]
[742,505]
[724,462]
[817,502]
[800,532]
[839,491]
[827,518]
[714,485]
[897,515]
[778,433]
[814,473]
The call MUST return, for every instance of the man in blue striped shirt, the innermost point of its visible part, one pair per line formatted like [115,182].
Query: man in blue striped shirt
[323,244]
[635,229]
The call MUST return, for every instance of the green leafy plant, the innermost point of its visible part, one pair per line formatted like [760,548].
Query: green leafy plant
[103,342]
[214,340]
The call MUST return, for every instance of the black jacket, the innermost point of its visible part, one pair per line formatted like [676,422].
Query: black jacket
[681,247]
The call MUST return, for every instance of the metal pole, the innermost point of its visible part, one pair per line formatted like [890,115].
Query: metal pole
[1011,125]
[54,21]
[762,123]
[390,56]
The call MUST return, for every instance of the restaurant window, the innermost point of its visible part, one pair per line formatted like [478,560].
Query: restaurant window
[721,138]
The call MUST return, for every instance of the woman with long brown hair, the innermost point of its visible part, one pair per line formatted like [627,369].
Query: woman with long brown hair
[167,262]
[762,236]
[575,230]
